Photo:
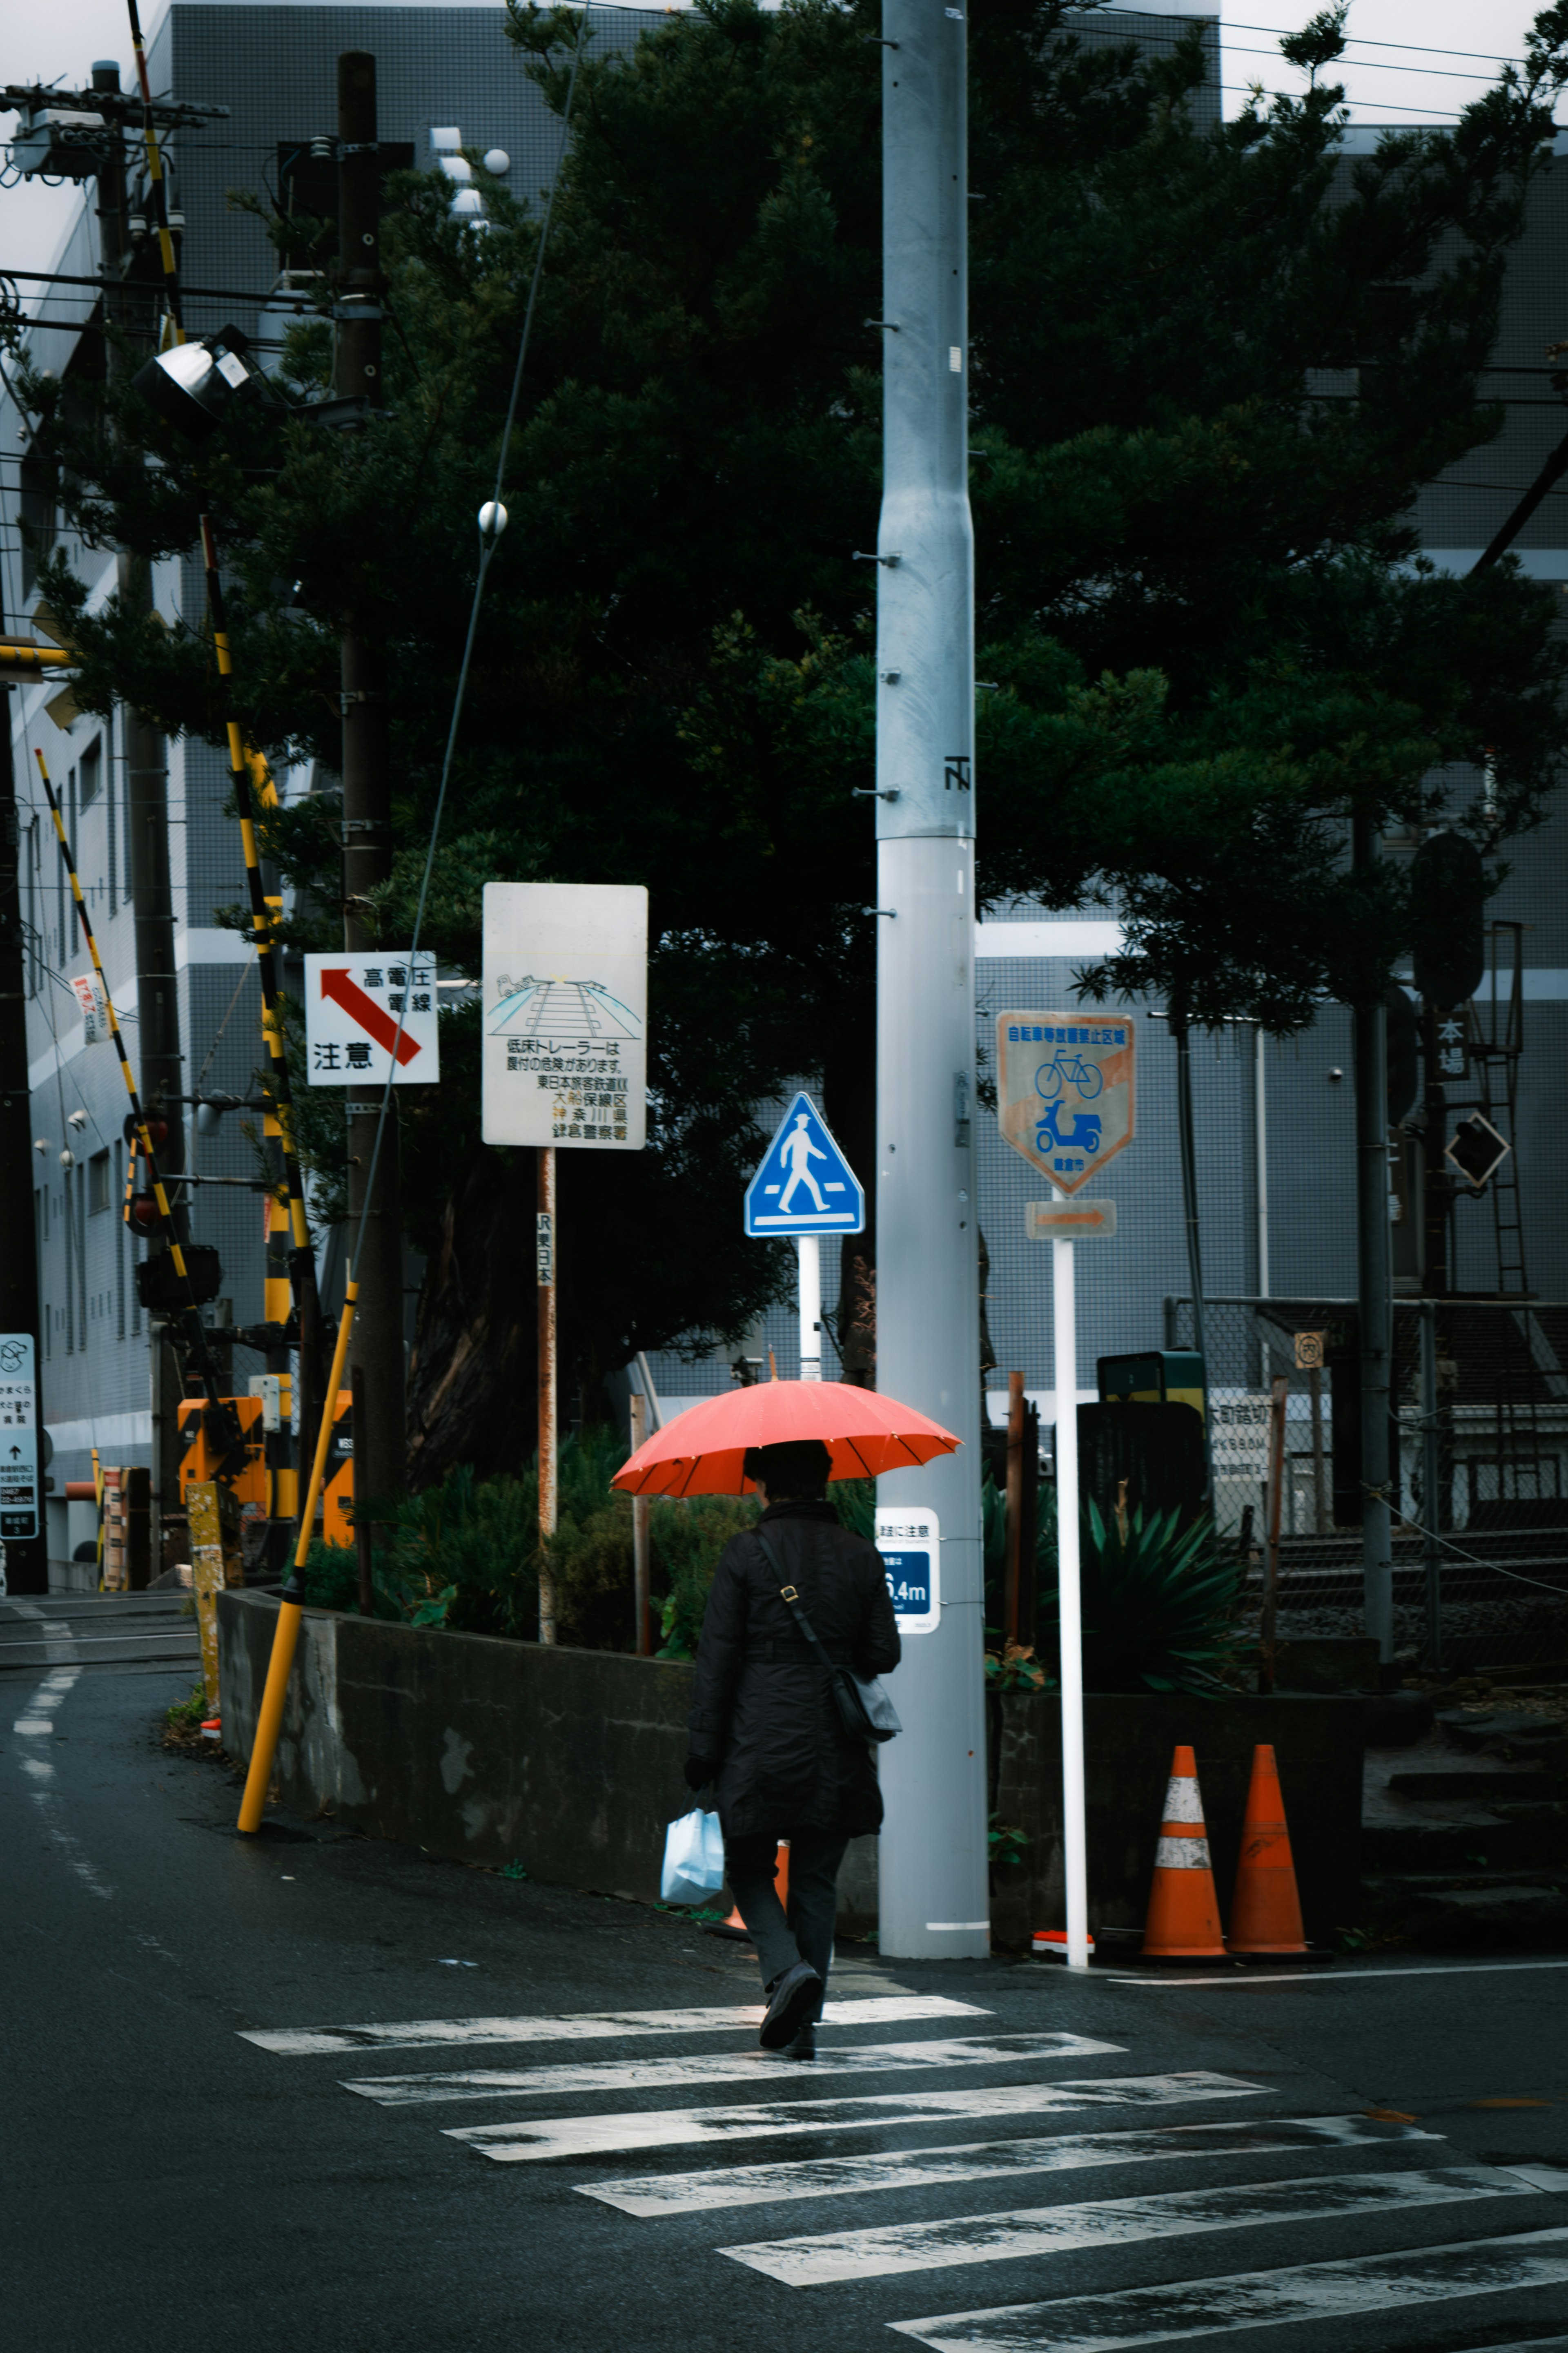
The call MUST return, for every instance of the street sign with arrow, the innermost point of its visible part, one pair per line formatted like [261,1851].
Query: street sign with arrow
[368,1013]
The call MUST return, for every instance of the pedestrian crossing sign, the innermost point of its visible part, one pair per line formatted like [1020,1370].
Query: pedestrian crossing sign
[805,1185]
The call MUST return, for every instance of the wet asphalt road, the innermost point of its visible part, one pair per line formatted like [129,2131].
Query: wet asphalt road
[167,2179]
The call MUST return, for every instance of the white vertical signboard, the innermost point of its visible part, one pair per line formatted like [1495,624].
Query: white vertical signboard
[18,1437]
[565,1015]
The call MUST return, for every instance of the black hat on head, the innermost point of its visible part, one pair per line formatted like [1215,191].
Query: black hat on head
[799,1470]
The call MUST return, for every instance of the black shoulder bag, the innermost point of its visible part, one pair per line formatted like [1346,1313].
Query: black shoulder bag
[864,1708]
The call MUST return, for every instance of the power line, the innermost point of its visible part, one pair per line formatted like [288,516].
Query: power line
[1353,40]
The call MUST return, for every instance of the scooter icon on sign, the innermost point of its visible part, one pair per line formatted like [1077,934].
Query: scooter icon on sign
[1080,1133]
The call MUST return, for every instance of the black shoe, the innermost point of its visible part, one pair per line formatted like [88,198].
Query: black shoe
[792,2000]
[805,2044]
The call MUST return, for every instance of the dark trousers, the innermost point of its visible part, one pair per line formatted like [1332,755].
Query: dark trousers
[804,1933]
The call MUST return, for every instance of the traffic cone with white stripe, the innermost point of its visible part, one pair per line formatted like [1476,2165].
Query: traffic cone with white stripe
[1266,1909]
[1184,1910]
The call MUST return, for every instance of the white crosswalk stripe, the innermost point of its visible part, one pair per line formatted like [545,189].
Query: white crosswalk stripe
[720,2067]
[1110,2221]
[595,2025]
[981,2161]
[1370,2171]
[667,2128]
[1154,2315]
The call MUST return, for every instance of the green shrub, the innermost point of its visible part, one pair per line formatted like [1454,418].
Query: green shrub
[1159,1603]
[686,1540]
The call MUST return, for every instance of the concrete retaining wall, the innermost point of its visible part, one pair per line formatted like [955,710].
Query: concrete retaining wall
[569,1762]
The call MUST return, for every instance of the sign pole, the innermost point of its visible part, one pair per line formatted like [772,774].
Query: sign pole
[548,1494]
[1075,1844]
[808,1253]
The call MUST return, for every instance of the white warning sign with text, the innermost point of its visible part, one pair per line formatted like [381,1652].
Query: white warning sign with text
[565,1015]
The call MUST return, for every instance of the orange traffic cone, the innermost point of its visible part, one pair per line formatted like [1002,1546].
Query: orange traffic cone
[1184,1910]
[1264,1911]
[735,1925]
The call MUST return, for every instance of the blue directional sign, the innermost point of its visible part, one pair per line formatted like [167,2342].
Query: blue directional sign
[805,1185]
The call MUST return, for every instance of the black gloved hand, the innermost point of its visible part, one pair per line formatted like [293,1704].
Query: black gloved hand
[699,1771]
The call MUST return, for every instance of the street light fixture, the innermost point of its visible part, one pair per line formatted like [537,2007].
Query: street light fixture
[194,386]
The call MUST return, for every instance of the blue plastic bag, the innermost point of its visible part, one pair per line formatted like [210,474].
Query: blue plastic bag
[693,1858]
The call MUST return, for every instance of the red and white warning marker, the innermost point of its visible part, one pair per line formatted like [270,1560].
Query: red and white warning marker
[363,1009]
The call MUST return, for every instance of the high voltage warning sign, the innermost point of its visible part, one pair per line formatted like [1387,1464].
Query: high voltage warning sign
[368,1014]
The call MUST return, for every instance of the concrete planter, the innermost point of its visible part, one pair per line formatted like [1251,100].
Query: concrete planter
[569,1762]
[1128,1741]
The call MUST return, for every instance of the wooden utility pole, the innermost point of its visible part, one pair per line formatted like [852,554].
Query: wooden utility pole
[26,1557]
[1017,1406]
[549,1494]
[375,1227]
[642,1622]
[158,1057]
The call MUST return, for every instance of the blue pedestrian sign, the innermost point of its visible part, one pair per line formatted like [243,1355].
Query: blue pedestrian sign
[805,1185]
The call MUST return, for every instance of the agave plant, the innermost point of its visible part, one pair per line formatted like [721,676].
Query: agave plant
[1159,1601]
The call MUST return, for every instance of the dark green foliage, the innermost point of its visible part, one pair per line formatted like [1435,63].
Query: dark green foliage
[1210,370]
[686,1540]
[1158,1605]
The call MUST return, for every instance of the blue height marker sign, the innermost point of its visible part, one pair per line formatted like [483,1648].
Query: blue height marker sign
[805,1185]
[909,1541]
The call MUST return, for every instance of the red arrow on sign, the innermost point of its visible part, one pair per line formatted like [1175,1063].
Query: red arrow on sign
[364,1010]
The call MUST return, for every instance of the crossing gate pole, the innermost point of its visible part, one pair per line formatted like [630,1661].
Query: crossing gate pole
[934,1898]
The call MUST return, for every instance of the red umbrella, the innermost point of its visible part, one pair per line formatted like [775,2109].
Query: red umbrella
[702,1450]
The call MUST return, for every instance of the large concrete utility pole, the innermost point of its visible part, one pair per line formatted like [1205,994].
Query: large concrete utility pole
[933,1851]
[377,1346]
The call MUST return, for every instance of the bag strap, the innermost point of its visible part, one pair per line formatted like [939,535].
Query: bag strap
[791,1600]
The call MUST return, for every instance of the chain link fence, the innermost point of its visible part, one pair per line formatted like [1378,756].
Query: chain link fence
[1480,1399]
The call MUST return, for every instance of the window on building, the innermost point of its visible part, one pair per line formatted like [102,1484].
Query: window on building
[91,774]
[35,909]
[79,1172]
[70,1224]
[98,1183]
[37,520]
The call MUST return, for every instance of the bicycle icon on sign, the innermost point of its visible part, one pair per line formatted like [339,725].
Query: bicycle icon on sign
[1087,1077]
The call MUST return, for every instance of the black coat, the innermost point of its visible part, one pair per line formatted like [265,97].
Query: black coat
[764,1705]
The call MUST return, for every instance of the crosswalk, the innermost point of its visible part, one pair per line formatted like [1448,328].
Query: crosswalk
[1432,2230]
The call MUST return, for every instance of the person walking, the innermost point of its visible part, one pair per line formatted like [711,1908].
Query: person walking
[764,1725]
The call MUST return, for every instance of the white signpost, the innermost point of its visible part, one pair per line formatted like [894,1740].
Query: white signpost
[368,1012]
[804,1188]
[563,1012]
[1065,1100]
[18,1438]
[565,1015]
